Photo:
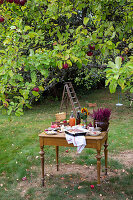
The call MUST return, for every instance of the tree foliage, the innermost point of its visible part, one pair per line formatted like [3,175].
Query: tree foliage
[44,36]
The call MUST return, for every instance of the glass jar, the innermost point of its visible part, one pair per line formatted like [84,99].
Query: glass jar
[72,120]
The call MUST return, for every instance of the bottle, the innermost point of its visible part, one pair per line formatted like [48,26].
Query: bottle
[72,120]
[78,118]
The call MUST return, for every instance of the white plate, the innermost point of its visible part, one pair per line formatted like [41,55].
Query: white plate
[94,133]
[51,132]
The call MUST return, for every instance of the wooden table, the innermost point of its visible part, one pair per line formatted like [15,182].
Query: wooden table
[95,142]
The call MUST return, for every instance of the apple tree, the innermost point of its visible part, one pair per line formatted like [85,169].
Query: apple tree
[41,40]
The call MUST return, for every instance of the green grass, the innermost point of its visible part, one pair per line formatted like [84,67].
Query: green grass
[19,151]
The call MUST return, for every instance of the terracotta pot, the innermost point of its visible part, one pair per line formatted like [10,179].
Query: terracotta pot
[103,125]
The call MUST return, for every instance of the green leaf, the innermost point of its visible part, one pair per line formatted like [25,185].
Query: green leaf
[78,29]
[85,21]
[113,35]
[131,90]
[130,45]
[9,110]
[26,28]
[59,63]
[35,93]
[2,51]
[26,94]
[111,64]
[33,76]
[118,62]
[32,34]
[112,87]
[74,58]
[19,112]
[69,62]
[45,72]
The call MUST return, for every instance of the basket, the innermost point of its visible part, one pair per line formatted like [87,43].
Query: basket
[60,116]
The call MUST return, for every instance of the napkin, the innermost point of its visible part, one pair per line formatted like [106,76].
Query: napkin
[78,141]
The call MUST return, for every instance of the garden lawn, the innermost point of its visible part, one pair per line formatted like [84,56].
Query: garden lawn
[19,157]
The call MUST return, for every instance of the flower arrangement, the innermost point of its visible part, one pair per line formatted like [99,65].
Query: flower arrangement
[102,114]
[84,113]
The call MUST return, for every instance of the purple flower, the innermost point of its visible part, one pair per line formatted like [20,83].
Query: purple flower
[102,114]
[90,124]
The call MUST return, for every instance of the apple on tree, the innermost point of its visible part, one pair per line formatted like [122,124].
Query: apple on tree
[89,53]
[8,100]
[5,105]
[36,89]
[92,47]
[55,43]
[10,1]
[22,2]
[122,58]
[1,1]
[65,66]
[2,19]
[17,1]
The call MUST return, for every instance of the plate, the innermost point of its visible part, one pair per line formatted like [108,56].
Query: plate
[53,129]
[94,133]
[51,132]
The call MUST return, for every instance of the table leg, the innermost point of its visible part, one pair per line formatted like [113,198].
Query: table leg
[57,153]
[42,164]
[106,156]
[98,156]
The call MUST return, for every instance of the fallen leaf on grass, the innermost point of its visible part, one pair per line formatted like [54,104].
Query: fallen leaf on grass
[79,187]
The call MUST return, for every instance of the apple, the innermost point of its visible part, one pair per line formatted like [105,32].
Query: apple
[8,100]
[5,105]
[54,126]
[55,43]
[2,19]
[92,47]
[65,66]
[1,1]
[22,2]
[36,89]
[64,121]
[10,1]
[17,1]
[66,151]
[92,186]
[89,53]
[122,58]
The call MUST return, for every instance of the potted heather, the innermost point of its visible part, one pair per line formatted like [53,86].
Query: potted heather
[101,118]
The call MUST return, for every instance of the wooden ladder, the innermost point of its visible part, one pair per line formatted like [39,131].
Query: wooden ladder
[70,95]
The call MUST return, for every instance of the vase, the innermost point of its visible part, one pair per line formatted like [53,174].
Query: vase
[103,125]
[85,123]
